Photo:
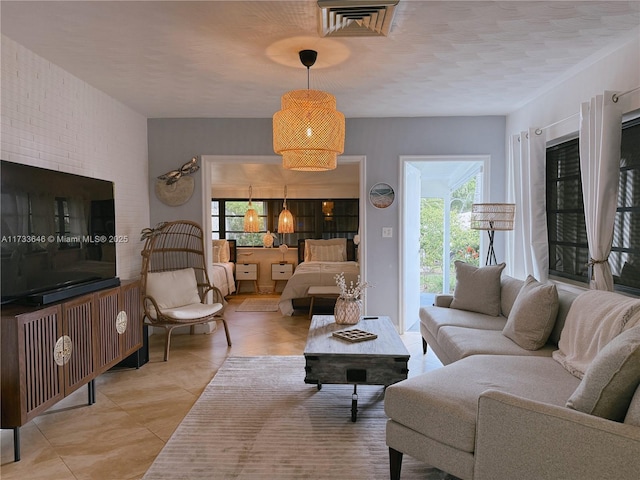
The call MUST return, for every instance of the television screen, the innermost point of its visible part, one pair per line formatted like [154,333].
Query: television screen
[58,233]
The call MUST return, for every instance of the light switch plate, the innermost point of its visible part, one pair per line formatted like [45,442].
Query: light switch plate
[387,232]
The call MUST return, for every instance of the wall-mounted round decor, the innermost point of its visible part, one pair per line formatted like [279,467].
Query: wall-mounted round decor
[177,193]
[381,195]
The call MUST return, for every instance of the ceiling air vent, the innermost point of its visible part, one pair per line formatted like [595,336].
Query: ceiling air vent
[355,18]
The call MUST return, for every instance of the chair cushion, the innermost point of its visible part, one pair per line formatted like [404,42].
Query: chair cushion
[173,289]
[533,314]
[477,289]
[612,378]
[189,313]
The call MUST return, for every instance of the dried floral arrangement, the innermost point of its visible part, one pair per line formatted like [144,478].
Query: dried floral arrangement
[352,291]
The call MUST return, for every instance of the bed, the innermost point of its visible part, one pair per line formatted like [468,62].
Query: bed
[223,266]
[319,261]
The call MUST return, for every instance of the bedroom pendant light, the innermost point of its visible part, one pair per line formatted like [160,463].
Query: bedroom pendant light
[285,220]
[308,132]
[251,219]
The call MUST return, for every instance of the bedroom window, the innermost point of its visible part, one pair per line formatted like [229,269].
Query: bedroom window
[313,218]
[567,237]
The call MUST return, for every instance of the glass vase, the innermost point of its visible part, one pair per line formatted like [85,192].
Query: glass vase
[347,311]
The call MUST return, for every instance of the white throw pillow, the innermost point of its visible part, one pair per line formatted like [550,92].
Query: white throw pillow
[173,289]
[216,254]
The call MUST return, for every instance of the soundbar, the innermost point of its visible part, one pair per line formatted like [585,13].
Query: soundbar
[51,296]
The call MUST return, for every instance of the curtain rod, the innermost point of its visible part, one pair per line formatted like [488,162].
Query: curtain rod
[615,97]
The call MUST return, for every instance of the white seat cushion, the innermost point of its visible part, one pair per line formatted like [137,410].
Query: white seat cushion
[191,312]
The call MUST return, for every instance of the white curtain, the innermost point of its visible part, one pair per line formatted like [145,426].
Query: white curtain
[600,136]
[528,250]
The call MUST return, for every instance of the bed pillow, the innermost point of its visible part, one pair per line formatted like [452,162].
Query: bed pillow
[612,378]
[327,253]
[216,254]
[324,243]
[533,314]
[224,253]
[477,289]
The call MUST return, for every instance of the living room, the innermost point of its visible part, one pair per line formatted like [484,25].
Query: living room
[55,118]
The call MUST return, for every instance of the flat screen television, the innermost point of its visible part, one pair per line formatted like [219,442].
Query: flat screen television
[58,234]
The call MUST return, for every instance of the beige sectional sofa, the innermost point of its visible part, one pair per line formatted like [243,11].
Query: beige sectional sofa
[497,410]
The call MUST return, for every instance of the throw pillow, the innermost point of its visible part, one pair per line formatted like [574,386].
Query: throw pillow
[533,314]
[225,253]
[477,289]
[216,254]
[172,289]
[612,378]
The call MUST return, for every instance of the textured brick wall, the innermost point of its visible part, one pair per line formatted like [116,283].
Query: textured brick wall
[54,120]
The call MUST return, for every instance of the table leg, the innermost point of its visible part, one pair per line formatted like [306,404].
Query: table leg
[354,403]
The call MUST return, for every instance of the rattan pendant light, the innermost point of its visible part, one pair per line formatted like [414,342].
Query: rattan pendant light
[251,219]
[285,220]
[309,131]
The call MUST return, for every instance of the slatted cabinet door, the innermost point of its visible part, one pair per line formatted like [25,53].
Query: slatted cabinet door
[30,376]
[109,349]
[131,305]
[79,327]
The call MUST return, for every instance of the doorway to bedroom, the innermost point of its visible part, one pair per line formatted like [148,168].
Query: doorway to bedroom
[435,224]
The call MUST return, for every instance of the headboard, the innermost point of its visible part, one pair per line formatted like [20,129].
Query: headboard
[351,250]
[233,253]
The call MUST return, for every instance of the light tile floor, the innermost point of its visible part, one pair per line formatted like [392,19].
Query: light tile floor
[137,410]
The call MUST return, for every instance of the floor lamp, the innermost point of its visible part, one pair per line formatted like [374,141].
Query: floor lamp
[492,217]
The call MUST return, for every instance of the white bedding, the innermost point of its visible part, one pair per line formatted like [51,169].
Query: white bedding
[223,277]
[315,273]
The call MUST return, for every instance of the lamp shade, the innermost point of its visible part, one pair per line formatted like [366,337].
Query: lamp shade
[492,216]
[251,220]
[308,132]
[285,221]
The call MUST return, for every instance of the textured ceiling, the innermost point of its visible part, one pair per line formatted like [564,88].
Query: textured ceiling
[236,58]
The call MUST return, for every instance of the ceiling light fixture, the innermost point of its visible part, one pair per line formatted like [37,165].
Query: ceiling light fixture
[251,219]
[308,132]
[285,220]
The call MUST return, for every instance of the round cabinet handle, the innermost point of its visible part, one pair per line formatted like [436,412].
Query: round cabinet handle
[62,351]
[121,322]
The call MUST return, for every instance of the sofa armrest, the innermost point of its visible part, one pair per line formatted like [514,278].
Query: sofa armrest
[443,300]
[524,439]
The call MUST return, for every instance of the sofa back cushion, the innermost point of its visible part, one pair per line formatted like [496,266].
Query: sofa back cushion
[477,289]
[509,289]
[633,413]
[565,299]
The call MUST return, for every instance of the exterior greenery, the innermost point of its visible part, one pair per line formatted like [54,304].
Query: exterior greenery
[464,242]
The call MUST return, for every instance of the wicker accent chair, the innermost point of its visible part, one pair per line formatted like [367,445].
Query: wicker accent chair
[176,290]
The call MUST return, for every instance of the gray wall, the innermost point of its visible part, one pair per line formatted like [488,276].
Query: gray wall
[382,140]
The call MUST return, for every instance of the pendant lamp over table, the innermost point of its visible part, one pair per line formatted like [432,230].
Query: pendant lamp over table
[309,131]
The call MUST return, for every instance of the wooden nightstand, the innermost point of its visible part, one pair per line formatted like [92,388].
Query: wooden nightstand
[247,272]
[280,272]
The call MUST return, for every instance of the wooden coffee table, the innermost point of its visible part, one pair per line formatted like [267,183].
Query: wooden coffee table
[381,361]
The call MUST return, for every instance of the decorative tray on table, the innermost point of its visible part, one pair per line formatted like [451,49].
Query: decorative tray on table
[355,335]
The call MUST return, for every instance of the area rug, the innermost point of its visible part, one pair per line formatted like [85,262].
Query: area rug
[259,305]
[257,419]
